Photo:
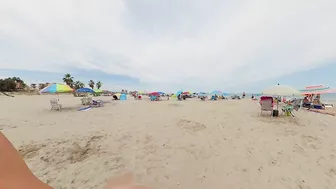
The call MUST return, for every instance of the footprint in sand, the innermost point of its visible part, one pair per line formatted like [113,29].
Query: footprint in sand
[310,141]
[191,126]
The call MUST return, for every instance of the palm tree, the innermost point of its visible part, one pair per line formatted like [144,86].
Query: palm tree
[99,84]
[68,79]
[91,84]
[79,84]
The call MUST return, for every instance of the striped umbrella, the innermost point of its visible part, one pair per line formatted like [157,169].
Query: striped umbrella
[317,89]
[57,88]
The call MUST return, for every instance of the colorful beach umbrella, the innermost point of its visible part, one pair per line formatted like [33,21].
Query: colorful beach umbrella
[317,89]
[57,88]
[85,90]
[98,90]
[179,92]
[154,94]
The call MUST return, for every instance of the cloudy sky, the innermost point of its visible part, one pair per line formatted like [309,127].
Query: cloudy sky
[170,44]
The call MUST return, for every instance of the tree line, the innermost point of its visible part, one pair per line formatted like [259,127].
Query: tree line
[69,80]
[12,84]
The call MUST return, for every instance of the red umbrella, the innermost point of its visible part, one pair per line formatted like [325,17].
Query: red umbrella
[154,94]
[185,93]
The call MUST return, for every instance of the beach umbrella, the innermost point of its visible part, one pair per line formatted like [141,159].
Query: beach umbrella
[216,93]
[317,89]
[186,93]
[98,90]
[85,90]
[161,93]
[179,92]
[57,88]
[153,93]
[281,90]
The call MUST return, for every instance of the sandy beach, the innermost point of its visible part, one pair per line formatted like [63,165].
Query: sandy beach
[191,144]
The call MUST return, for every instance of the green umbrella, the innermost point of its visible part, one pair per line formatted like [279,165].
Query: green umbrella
[98,90]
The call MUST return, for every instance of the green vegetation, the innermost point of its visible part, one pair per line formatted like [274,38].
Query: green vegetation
[11,84]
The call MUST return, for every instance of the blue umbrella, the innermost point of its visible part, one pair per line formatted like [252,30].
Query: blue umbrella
[216,93]
[179,92]
[161,93]
[85,90]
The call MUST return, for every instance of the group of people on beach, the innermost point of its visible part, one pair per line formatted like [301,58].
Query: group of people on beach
[310,100]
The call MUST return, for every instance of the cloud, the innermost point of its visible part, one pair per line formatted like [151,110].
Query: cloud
[194,44]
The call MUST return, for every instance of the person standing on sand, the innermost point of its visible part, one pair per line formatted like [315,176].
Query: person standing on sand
[15,174]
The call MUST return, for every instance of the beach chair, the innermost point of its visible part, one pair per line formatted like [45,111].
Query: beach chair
[295,105]
[97,103]
[55,105]
[266,105]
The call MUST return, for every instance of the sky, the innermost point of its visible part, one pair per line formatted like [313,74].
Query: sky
[168,45]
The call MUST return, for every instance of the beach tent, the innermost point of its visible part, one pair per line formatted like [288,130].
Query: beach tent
[117,95]
[123,97]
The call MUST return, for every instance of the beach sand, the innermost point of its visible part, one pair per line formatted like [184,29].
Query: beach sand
[170,144]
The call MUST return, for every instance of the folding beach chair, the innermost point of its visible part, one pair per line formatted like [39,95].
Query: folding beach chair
[55,105]
[97,103]
[266,104]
